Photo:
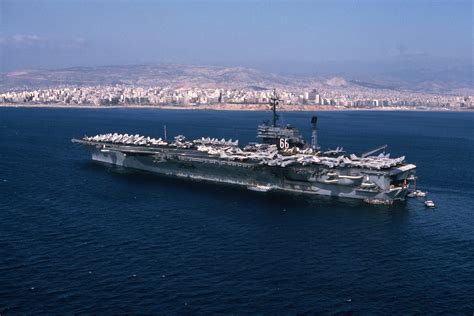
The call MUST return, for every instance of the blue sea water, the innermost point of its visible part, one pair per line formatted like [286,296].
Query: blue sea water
[79,237]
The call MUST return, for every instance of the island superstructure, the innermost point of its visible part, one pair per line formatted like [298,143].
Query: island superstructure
[282,162]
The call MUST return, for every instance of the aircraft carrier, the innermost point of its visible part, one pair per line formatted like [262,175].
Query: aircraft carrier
[282,162]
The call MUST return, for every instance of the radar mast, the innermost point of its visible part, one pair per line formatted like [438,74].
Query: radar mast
[274,102]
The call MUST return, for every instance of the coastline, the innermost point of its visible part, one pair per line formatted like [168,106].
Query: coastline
[233,107]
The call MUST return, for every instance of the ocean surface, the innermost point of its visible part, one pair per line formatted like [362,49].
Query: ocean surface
[80,237]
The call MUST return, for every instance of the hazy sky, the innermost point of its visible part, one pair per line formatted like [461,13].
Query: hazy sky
[53,34]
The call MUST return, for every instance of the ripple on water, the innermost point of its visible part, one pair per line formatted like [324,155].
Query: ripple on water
[78,237]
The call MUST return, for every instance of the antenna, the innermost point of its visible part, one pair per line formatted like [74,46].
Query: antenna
[274,101]
[373,151]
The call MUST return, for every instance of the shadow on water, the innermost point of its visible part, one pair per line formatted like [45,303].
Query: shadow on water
[272,202]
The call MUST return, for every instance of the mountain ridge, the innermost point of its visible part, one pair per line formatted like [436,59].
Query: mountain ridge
[203,76]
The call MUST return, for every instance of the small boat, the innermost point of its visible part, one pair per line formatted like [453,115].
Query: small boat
[429,204]
[260,188]
[378,202]
[417,193]
[350,177]
[368,185]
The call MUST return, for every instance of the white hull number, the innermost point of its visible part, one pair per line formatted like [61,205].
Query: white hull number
[284,144]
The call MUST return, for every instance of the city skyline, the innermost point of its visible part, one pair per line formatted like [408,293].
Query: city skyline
[236,98]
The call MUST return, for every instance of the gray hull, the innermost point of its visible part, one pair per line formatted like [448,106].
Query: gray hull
[307,180]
